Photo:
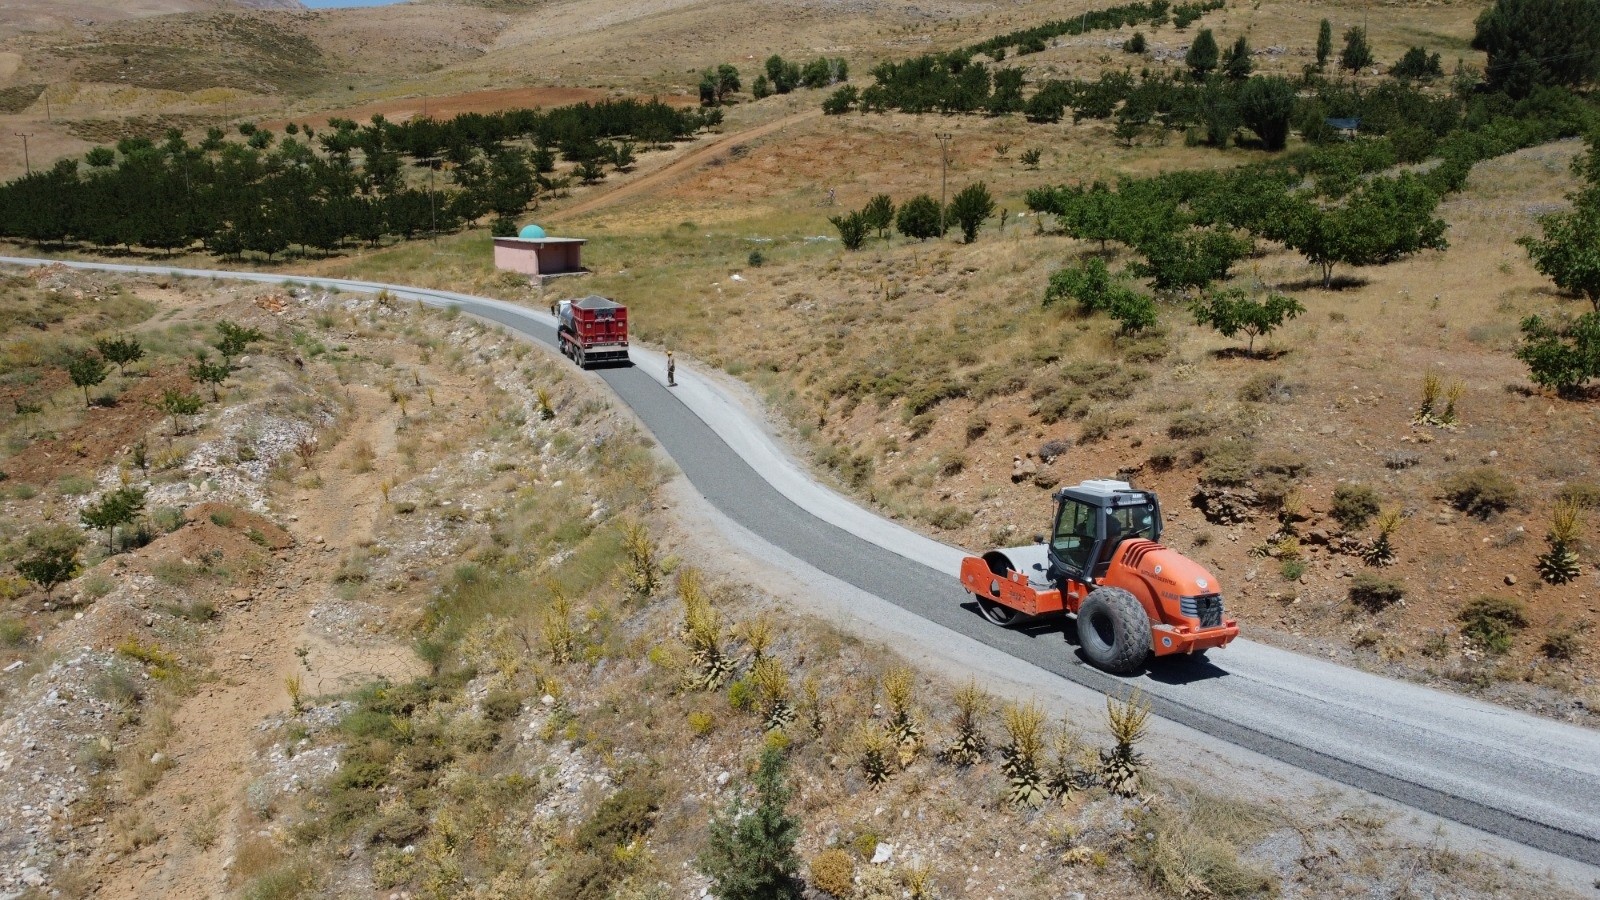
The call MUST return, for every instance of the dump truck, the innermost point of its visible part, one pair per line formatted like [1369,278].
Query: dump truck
[592,330]
[1103,563]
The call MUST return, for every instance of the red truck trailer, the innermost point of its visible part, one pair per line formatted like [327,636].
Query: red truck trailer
[593,330]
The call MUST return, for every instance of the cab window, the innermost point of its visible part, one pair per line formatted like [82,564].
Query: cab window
[1136,522]
[1075,534]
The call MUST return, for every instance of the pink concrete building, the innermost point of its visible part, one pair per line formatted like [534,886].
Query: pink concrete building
[533,253]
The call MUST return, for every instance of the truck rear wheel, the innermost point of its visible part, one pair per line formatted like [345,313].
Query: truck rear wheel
[1114,630]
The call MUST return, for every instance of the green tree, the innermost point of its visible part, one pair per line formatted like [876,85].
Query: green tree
[1357,54]
[785,76]
[1568,250]
[1232,311]
[234,340]
[86,371]
[1324,44]
[205,371]
[1539,42]
[1239,65]
[841,100]
[817,73]
[51,556]
[1089,283]
[1189,259]
[120,351]
[970,208]
[1203,55]
[1097,290]
[727,81]
[1560,355]
[177,403]
[1386,220]
[623,156]
[750,854]
[879,213]
[119,507]
[920,218]
[853,229]
[1267,105]
[101,157]
[761,88]
[1418,64]
[1135,44]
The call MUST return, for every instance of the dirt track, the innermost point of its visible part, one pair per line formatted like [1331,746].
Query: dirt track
[679,167]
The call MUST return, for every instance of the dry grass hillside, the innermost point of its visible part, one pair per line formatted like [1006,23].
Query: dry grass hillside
[410,615]
[733,261]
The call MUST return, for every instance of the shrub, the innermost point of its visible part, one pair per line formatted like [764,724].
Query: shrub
[853,229]
[1354,505]
[1480,492]
[920,218]
[1374,593]
[1584,494]
[833,872]
[51,556]
[501,706]
[1266,388]
[1192,424]
[1492,622]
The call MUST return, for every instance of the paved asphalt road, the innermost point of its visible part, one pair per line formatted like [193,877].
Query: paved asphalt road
[1519,777]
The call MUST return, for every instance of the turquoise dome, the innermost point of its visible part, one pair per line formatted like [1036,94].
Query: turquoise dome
[531,232]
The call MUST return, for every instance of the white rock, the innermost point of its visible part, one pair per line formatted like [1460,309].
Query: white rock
[882,854]
[722,778]
[14,666]
[32,877]
[157,758]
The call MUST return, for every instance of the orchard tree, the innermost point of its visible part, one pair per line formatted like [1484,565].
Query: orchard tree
[120,351]
[879,213]
[1089,283]
[1387,220]
[205,371]
[1562,356]
[1357,53]
[920,218]
[970,208]
[1568,252]
[1203,55]
[51,556]
[177,403]
[750,853]
[1095,289]
[1185,260]
[119,507]
[86,371]
[1534,43]
[235,340]
[1324,44]
[1267,105]
[1232,311]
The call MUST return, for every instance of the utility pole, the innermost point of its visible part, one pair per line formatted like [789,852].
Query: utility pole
[26,163]
[944,171]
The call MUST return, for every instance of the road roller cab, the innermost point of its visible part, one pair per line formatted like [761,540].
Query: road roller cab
[1103,563]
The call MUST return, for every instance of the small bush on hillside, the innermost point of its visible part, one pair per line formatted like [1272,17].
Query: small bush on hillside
[1480,492]
[1354,505]
[1585,494]
[1492,622]
[1192,424]
[834,873]
[1266,387]
[1375,594]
